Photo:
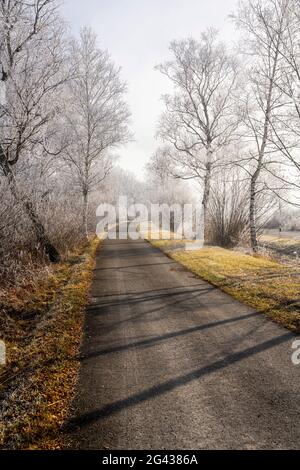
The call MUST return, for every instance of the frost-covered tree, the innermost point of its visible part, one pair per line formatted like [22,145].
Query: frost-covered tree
[199,119]
[96,118]
[264,24]
[31,64]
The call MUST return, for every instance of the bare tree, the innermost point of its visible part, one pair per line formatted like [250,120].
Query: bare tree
[287,130]
[229,208]
[31,62]
[96,118]
[265,26]
[121,183]
[199,119]
[161,166]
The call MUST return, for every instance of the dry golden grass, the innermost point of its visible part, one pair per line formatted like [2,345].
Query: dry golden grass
[269,286]
[43,332]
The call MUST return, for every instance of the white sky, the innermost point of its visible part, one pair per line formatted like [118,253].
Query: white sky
[137,34]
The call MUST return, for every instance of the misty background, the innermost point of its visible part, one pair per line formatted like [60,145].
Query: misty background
[137,34]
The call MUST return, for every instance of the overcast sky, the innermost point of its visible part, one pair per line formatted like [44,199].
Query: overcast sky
[137,34]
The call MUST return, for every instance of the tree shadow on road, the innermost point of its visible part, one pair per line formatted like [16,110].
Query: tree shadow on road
[158,339]
[168,386]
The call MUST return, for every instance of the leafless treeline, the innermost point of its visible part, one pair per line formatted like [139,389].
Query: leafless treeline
[62,114]
[231,123]
[233,120]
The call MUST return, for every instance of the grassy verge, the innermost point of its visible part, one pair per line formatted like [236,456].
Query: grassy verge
[269,286]
[42,328]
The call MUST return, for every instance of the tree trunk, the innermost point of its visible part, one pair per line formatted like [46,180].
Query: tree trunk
[206,193]
[85,213]
[29,209]
[262,151]
[252,218]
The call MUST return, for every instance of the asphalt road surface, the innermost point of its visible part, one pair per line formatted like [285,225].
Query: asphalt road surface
[170,362]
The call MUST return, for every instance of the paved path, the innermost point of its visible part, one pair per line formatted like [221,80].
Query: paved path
[170,362]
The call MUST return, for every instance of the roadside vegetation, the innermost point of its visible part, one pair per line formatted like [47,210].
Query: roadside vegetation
[41,324]
[269,286]
[228,141]
[282,246]
[63,115]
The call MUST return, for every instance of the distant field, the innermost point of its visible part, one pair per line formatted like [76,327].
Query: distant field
[269,286]
[275,235]
[286,244]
